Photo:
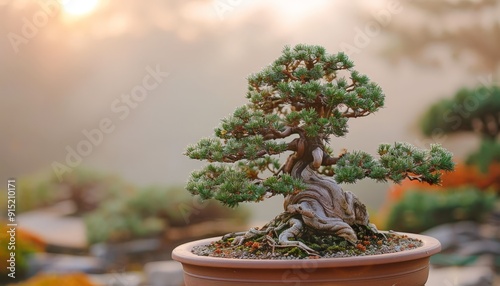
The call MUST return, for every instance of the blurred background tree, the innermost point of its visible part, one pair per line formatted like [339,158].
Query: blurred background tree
[470,110]
[157,211]
[85,188]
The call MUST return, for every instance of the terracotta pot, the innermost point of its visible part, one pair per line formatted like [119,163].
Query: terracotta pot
[409,267]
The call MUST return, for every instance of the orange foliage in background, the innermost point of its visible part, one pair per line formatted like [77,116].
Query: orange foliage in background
[36,243]
[463,175]
[26,243]
[76,279]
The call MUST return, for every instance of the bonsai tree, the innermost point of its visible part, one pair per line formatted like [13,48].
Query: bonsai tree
[296,105]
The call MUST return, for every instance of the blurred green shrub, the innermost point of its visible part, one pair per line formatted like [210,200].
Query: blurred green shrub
[86,188]
[487,154]
[421,209]
[152,211]
[33,192]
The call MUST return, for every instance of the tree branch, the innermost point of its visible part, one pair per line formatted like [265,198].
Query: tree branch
[329,160]
[354,114]
[289,130]
[289,74]
[415,178]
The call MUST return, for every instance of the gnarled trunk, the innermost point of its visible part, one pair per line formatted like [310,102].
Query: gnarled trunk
[324,205]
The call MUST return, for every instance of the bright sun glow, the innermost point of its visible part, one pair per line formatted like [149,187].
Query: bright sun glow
[79,7]
[294,11]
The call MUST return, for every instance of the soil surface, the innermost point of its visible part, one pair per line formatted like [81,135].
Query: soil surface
[326,246]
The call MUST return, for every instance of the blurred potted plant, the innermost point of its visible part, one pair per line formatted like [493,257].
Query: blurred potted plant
[324,236]
[156,212]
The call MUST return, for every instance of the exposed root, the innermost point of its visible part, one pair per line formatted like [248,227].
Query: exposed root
[322,207]
[294,231]
[273,227]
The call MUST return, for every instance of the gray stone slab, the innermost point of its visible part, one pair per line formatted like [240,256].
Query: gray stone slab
[63,263]
[164,273]
[54,225]
[461,276]
[453,234]
[119,279]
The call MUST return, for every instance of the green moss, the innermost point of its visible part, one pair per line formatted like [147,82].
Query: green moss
[296,252]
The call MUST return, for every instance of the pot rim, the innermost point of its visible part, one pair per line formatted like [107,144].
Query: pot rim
[183,254]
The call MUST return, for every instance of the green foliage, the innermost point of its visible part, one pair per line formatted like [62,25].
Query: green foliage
[231,184]
[396,162]
[317,90]
[469,110]
[488,153]
[33,192]
[114,222]
[420,210]
[85,187]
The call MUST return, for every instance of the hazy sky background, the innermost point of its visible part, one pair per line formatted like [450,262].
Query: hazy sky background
[69,72]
